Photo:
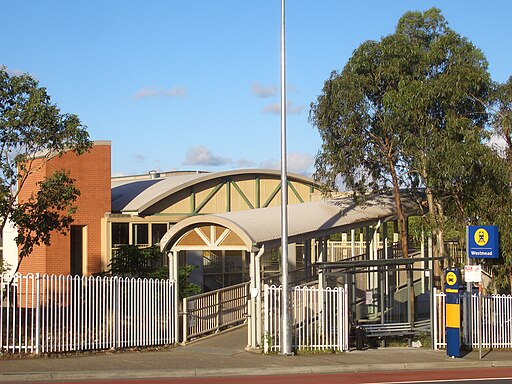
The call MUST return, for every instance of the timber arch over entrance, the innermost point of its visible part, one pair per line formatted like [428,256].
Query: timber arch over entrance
[215,234]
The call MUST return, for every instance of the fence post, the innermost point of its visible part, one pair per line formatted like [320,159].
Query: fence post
[38,314]
[117,298]
[171,320]
[185,320]
[266,315]
[346,315]
[218,305]
[340,292]
[434,320]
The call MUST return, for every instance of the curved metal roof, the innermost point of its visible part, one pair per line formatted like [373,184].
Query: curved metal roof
[305,221]
[138,195]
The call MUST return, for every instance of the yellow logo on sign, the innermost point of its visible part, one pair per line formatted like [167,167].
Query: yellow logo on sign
[451,278]
[481,237]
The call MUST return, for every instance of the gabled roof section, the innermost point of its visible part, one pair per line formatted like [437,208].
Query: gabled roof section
[305,221]
[135,196]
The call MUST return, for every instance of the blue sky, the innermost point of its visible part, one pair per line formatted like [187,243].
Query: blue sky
[194,84]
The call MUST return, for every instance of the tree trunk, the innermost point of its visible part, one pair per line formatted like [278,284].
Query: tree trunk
[437,236]
[403,232]
[400,213]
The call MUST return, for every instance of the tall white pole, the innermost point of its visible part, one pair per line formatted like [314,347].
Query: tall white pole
[286,334]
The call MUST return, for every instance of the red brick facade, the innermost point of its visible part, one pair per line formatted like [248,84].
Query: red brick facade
[92,172]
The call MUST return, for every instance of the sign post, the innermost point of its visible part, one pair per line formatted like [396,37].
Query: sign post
[480,320]
[472,274]
[482,243]
[452,310]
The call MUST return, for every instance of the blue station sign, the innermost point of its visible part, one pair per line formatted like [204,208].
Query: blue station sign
[483,241]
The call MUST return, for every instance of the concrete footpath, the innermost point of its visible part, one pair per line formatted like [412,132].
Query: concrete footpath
[225,355]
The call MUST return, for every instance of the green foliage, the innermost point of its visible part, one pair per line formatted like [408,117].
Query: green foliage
[398,101]
[500,106]
[49,209]
[132,261]
[502,117]
[410,111]
[186,288]
[33,130]
[4,267]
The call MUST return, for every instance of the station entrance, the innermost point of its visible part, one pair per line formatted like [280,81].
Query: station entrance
[255,235]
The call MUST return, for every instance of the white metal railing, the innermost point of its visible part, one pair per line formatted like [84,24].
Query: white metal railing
[344,249]
[45,314]
[490,320]
[439,319]
[211,311]
[319,318]
[496,321]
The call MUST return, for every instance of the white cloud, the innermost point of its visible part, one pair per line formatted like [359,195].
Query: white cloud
[201,155]
[264,91]
[301,163]
[273,109]
[497,142]
[291,109]
[14,72]
[158,92]
[245,163]
[292,88]
[270,164]
[139,158]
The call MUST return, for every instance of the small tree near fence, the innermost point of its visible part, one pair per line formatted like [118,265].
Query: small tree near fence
[132,261]
[32,131]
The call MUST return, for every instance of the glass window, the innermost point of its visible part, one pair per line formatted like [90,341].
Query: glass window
[157,232]
[120,233]
[140,234]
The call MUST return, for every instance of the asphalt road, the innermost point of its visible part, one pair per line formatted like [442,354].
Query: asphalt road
[483,375]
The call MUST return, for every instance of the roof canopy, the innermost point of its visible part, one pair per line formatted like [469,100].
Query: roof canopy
[134,196]
[257,227]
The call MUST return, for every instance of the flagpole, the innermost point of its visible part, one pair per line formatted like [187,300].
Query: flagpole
[286,340]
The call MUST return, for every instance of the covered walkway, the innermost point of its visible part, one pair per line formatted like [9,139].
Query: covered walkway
[256,231]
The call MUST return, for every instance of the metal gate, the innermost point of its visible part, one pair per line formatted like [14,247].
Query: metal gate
[210,312]
[320,318]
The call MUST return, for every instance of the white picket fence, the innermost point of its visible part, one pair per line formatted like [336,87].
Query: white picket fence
[439,319]
[319,318]
[45,314]
[490,320]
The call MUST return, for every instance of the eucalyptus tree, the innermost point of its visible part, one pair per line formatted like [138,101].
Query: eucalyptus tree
[360,134]
[445,122]
[501,110]
[32,131]
[402,111]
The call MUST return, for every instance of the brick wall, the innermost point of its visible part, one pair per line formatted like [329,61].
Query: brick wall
[92,172]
